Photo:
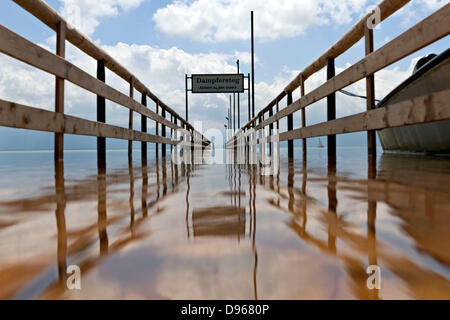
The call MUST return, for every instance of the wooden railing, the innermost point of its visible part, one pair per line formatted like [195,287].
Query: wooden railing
[433,107]
[26,117]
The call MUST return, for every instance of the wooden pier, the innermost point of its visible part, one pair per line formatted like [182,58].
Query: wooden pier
[26,117]
[429,108]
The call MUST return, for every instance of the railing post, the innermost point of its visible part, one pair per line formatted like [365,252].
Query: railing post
[187,97]
[234,113]
[290,124]
[278,121]
[270,129]
[59,88]
[304,145]
[264,144]
[171,132]
[249,98]
[331,110]
[192,146]
[254,144]
[175,121]
[144,129]
[101,116]
[157,129]
[130,119]
[163,131]
[259,137]
[370,90]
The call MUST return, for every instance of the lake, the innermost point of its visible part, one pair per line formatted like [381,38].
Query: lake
[224,231]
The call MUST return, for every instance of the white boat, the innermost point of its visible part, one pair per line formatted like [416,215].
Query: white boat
[320,145]
[431,74]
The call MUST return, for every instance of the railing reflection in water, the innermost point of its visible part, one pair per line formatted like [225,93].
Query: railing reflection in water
[237,219]
[43,286]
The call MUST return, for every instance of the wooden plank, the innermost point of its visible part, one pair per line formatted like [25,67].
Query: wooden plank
[387,8]
[422,34]
[23,117]
[424,109]
[41,10]
[32,54]
[59,88]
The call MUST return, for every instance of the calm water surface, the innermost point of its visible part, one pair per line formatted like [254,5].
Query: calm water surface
[223,231]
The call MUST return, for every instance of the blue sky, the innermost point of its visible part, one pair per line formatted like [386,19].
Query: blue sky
[160,41]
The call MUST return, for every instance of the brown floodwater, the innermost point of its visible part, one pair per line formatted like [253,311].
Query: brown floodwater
[224,231]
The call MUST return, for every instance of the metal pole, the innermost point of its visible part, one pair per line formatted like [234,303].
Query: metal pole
[249,99]
[229,118]
[187,101]
[234,110]
[253,69]
[238,98]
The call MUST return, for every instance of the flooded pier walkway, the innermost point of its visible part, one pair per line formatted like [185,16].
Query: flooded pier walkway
[225,231]
[151,229]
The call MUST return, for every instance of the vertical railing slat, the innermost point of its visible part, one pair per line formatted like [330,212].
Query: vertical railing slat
[130,119]
[101,116]
[290,124]
[331,110]
[59,89]
[302,94]
[370,89]
[163,131]
[157,130]
[144,129]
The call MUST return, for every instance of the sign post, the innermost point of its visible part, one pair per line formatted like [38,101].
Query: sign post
[217,83]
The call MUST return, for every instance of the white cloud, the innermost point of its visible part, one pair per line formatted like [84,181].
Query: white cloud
[417,10]
[163,71]
[223,20]
[85,15]
[432,4]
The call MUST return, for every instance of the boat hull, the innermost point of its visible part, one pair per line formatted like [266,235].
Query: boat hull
[428,137]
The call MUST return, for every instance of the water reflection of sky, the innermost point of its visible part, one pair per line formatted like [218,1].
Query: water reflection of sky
[224,232]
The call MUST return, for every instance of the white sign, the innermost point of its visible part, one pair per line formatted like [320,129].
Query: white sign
[217,83]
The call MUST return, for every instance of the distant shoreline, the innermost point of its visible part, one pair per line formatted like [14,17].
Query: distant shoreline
[70,150]
[136,150]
